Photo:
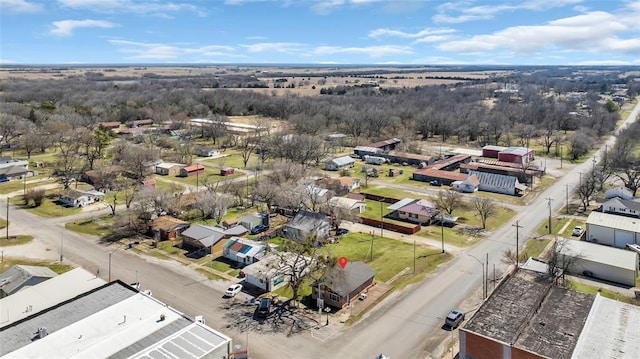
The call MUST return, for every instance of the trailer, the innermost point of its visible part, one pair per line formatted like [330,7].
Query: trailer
[374,160]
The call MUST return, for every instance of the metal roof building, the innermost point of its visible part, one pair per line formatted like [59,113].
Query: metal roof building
[612,230]
[112,321]
[618,322]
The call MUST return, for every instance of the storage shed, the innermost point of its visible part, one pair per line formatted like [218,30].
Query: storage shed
[602,262]
[492,151]
[227,171]
[612,230]
[191,170]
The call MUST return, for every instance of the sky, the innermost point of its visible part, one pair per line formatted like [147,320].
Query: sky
[384,32]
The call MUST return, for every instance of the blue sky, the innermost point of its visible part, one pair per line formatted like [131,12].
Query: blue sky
[417,32]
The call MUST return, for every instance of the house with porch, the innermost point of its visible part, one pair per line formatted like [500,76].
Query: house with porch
[205,239]
[340,286]
[165,228]
[79,198]
[414,210]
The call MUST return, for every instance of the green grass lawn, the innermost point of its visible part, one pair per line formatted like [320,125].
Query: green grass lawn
[556,225]
[98,226]
[589,289]
[20,185]
[224,265]
[209,275]
[3,223]
[49,207]
[533,248]
[15,240]
[57,267]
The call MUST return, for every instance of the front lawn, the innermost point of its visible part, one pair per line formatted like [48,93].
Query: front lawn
[534,248]
[49,207]
[15,240]
[99,226]
[590,289]
[59,268]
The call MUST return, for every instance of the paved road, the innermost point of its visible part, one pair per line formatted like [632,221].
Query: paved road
[403,326]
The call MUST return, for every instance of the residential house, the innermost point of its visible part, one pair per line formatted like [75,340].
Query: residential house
[13,169]
[340,286]
[621,192]
[203,151]
[169,168]
[79,198]
[104,176]
[351,206]
[341,185]
[612,230]
[469,185]
[491,182]
[114,320]
[604,263]
[243,251]
[414,210]
[308,224]
[192,170]
[167,228]
[315,197]
[205,239]
[622,207]
[273,270]
[340,163]
[23,276]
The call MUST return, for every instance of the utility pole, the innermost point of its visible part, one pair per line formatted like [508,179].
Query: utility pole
[518,226]
[560,156]
[484,295]
[442,233]
[486,276]
[414,256]
[580,183]
[61,246]
[381,221]
[567,186]
[549,204]
[7,219]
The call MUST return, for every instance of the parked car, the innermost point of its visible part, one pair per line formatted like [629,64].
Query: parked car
[259,229]
[264,308]
[454,319]
[588,274]
[341,231]
[435,183]
[577,231]
[382,356]
[233,290]
[4,179]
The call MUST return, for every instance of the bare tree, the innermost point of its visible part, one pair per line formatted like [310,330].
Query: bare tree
[586,189]
[560,260]
[485,208]
[37,195]
[449,200]
[213,205]
[626,165]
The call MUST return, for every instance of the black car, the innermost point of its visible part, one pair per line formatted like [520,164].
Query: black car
[259,229]
[341,231]
[264,308]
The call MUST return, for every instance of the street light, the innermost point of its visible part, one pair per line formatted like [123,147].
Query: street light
[327,310]
[549,200]
[110,254]
[483,280]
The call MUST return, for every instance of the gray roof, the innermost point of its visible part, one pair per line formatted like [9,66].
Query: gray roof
[629,204]
[614,221]
[401,203]
[344,281]
[307,221]
[343,161]
[528,312]
[598,253]
[495,180]
[15,277]
[20,334]
[204,234]
[521,151]
[235,231]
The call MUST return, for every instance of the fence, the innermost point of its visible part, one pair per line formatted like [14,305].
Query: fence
[409,229]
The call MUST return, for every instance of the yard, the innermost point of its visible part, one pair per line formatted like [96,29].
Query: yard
[95,226]
[8,262]
[49,207]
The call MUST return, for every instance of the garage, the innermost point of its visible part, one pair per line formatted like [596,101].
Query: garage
[612,229]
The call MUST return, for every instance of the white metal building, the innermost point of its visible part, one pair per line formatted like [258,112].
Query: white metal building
[612,230]
[606,263]
[611,330]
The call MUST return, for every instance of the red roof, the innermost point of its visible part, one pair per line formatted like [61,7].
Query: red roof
[432,172]
[194,168]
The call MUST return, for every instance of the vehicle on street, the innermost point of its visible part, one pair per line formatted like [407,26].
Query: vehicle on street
[577,231]
[382,356]
[233,290]
[454,318]
[259,229]
[264,308]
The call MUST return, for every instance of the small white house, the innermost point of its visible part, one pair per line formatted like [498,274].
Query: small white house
[336,164]
[621,192]
[623,207]
[79,198]
[469,185]
[243,251]
[272,271]
[612,230]
[203,151]
[606,263]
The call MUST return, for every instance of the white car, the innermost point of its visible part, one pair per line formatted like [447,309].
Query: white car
[233,290]
[577,231]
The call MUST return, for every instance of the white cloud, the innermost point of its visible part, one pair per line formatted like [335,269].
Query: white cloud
[157,51]
[378,33]
[371,51]
[591,32]
[325,7]
[19,6]
[153,8]
[66,27]
[464,11]
[282,47]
